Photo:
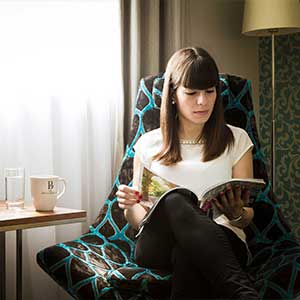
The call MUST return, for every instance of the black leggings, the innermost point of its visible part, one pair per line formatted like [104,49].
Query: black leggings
[206,259]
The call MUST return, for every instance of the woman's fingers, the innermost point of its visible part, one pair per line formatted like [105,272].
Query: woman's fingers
[218,205]
[238,192]
[129,190]
[234,196]
[246,197]
[230,196]
[124,206]
[127,203]
[127,196]
[230,201]
[223,200]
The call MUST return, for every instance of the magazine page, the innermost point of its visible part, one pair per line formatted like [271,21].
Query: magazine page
[252,184]
[153,187]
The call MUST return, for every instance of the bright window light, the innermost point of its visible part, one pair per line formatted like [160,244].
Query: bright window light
[57,48]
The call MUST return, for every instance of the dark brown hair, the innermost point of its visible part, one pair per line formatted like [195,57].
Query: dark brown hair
[192,68]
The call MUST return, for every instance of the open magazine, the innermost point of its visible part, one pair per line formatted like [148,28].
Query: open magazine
[153,188]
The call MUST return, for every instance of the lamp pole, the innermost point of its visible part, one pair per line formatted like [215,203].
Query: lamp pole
[283,18]
[273,138]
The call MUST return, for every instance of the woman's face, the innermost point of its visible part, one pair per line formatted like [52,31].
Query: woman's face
[194,107]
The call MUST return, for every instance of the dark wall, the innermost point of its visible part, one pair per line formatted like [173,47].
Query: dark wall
[287,96]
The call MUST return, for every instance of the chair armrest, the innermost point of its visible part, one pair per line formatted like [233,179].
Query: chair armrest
[148,281]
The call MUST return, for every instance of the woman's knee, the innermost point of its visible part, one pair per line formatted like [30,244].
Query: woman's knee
[177,198]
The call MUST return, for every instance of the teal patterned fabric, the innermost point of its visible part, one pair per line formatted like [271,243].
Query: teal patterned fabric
[100,263]
[287,96]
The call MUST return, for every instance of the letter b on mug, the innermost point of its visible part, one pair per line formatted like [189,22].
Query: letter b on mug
[45,191]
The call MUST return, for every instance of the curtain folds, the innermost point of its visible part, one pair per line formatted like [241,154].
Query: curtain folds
[61,113]
[151,32]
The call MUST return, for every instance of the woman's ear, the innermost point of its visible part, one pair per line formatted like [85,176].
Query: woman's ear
[173,97]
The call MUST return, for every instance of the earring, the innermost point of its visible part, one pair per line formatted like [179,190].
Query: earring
[173,102]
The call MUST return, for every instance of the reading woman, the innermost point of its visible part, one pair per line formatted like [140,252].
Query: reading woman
[194,148]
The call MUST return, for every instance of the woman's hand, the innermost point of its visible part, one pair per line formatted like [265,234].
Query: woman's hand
[128,196]
[231,202]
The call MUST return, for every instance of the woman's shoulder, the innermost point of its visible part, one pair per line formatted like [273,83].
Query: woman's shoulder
[150,138]
[237,131]
[242,142]
[148,145]
[153,133]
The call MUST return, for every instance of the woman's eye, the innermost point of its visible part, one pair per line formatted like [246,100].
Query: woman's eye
[190,93]
[209,91]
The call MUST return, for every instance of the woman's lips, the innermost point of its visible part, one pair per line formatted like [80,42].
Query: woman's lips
[200,113]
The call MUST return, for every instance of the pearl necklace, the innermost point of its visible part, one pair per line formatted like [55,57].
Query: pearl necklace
[189,142]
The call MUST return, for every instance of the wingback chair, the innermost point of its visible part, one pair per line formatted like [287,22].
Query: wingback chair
[100,263]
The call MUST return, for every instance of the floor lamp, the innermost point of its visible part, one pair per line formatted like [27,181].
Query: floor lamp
[270,18]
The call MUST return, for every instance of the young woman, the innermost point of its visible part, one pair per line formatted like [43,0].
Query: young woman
[194,148]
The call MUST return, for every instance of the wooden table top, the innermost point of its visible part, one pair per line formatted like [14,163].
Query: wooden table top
[30,218]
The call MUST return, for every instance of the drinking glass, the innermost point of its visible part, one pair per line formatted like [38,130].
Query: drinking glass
[14,188]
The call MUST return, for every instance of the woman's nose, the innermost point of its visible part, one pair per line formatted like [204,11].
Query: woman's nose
[201,99]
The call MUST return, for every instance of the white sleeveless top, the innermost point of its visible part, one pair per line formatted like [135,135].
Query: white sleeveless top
[192,173]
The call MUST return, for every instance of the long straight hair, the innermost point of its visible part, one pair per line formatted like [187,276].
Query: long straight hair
[192,68]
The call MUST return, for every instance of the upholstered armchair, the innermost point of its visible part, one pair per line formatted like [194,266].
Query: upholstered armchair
[100,263]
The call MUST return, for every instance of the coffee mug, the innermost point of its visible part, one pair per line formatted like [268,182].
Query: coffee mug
[45,191]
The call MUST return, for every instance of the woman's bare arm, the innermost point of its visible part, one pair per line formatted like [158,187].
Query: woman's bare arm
[232,203]
[244,169]
[135,213]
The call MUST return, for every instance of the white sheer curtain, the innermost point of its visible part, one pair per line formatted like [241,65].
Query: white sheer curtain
[61,112]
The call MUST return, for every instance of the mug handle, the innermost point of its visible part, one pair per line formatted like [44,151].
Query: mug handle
[64,187]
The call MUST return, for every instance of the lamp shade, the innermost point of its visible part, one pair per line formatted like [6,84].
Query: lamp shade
[263,16]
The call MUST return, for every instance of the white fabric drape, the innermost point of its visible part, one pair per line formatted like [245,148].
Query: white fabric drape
[61,112]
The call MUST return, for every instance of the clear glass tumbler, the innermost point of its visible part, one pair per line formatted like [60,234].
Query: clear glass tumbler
[14,188]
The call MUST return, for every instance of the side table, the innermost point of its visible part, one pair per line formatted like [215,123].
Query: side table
[24,219]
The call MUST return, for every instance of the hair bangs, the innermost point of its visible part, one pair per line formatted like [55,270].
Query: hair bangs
[201,74]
